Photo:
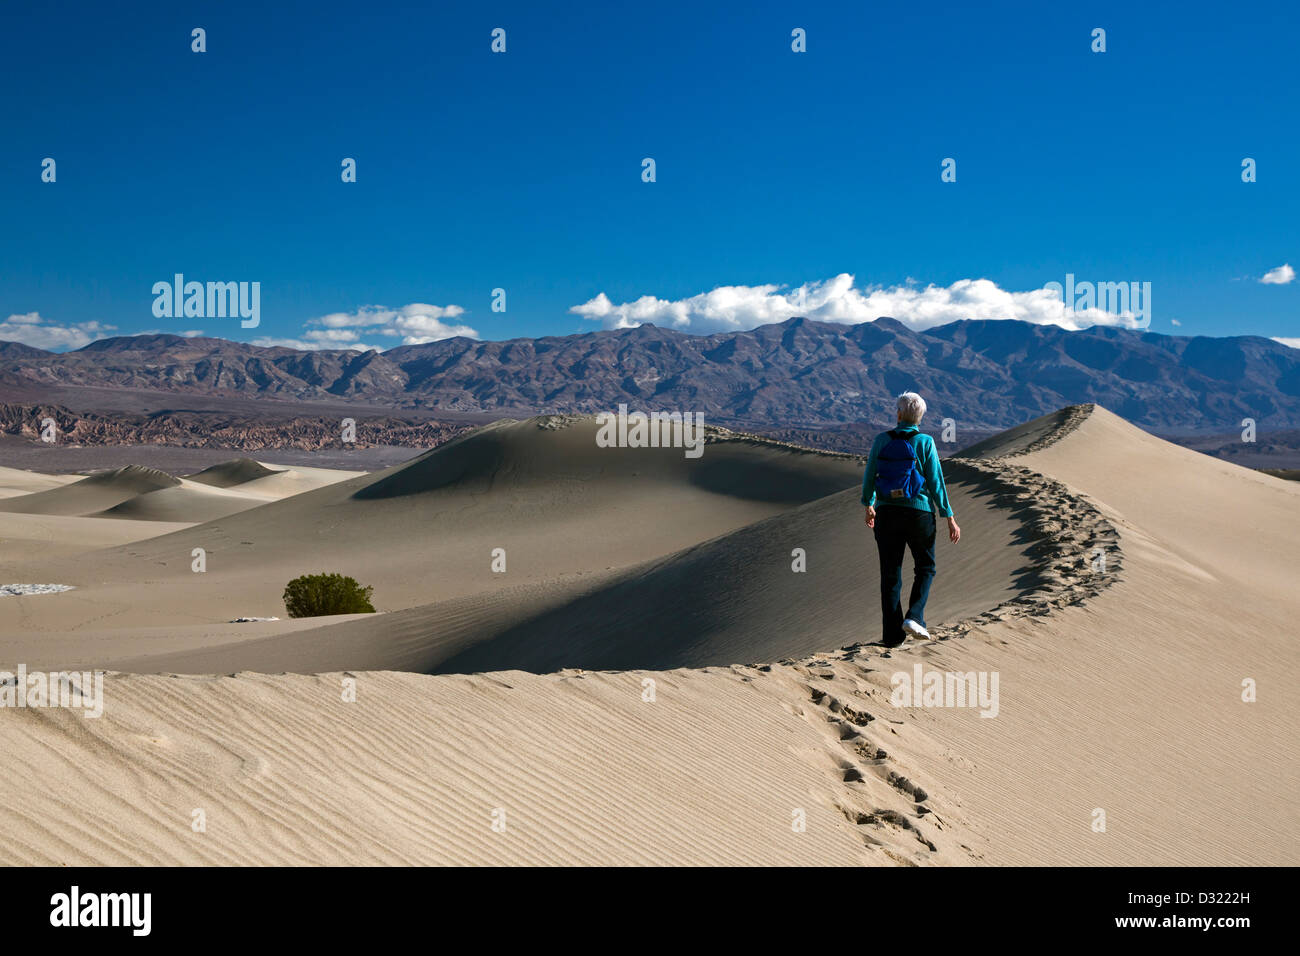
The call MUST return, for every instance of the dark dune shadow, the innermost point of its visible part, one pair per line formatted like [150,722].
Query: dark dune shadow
[737,600]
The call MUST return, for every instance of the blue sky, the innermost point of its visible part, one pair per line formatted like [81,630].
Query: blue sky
[523,170]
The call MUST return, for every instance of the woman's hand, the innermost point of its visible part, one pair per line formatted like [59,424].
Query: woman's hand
[954,532]
[871,517]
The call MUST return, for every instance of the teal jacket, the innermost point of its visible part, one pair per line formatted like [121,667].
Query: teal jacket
[927,458]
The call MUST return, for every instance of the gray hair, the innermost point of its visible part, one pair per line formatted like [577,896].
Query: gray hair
[911,407]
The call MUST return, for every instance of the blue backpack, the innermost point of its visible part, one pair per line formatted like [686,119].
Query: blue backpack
[898,475]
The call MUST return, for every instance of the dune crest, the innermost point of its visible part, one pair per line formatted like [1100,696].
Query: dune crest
[15,482]
[95,493]
[237,471]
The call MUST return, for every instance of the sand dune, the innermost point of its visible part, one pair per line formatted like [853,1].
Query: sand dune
[1122,589]
[255,479]
[606,550]
[1133,702]
[237,471]
[15,482]
[426,531]
[735,598]
[133,492]
[94,494]
[146,494]
[584,769]
[185,502]
[27,540]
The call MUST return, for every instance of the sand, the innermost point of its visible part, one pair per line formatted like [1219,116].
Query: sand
[635,535]
[15,482]
[1132,703]
[1120,686]
[147,494]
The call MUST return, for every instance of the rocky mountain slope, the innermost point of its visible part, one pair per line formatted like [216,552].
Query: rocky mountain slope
[983,374]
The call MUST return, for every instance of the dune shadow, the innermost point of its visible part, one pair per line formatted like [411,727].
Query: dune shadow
[739,599]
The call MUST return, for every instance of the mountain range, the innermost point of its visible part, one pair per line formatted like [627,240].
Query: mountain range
[983,374]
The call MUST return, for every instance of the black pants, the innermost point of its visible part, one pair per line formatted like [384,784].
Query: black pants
[899,528]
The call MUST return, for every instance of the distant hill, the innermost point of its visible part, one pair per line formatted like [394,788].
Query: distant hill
[984,374]
[16,350]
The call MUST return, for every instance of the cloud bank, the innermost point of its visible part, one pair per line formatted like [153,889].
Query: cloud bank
[30,329]
[414,324]
[737,307]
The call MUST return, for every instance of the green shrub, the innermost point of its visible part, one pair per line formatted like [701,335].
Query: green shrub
[312,595]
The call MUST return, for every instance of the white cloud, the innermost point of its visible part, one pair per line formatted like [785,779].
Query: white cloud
[1282,275]
[1175,322]
[1293,343]
[190,334]
[734,308]
[414,324]
[313,345]
[30,329]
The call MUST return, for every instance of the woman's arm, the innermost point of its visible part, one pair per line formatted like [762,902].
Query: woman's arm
[934,484]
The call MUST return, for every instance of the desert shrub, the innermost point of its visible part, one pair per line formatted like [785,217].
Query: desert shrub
[312,595]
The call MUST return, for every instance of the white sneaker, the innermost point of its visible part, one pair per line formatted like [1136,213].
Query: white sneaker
[916,630]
